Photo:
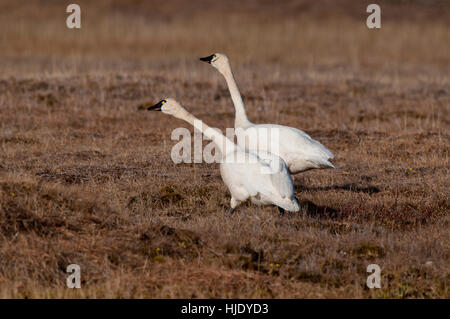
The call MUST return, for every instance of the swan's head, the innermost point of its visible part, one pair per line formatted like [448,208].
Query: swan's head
[168,106]
[218,60]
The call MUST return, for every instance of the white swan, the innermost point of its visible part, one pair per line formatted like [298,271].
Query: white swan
[298,149]
[246,174]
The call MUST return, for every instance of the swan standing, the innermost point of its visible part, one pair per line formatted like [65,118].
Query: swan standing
[246,174]
[295,147]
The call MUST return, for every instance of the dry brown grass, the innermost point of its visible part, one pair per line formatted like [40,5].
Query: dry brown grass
[86,178]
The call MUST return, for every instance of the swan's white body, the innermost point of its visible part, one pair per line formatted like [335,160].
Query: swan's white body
[295,147]
[249,178]
[246,180]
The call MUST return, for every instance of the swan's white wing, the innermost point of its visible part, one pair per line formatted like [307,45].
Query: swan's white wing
[299,142]
[279,184]
[290,140]
[282,182]
[255,174]
[245,172]
[280,177]
[316,145]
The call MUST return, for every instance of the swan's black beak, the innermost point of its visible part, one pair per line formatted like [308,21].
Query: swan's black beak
[207,59]
[157,106]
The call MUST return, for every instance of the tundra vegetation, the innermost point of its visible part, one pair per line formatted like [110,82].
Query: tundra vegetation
[86,175]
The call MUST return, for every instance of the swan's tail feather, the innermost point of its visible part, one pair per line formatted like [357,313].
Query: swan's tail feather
[322,163]
[328,153]
[329,165]
[291,205]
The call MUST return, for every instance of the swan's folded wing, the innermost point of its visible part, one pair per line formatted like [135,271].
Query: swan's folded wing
[279,176]
[282,182]
[248,177]
[289,139]
[256,179]
[302,143]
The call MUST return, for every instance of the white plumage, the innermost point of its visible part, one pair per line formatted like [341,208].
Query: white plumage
[263,178]
[298,149]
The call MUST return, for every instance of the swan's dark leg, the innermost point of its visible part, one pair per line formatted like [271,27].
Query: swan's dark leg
[281,210]
[233,204]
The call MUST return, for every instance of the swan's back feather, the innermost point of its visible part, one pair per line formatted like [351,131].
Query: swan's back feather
[281,179]
[291,141]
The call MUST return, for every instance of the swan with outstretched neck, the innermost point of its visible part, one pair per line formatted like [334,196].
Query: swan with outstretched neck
[295,147]
[261,177]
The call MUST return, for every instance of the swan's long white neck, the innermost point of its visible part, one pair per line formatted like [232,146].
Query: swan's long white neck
[241,120]
[224,144]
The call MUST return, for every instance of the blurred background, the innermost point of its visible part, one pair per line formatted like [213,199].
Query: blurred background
[139,35]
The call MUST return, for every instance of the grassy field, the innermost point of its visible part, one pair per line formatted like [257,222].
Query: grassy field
[86,175]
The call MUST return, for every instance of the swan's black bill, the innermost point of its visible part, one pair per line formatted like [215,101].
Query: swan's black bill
[207,59]
[157,106]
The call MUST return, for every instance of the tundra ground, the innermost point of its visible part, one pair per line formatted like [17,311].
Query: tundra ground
[86,176]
